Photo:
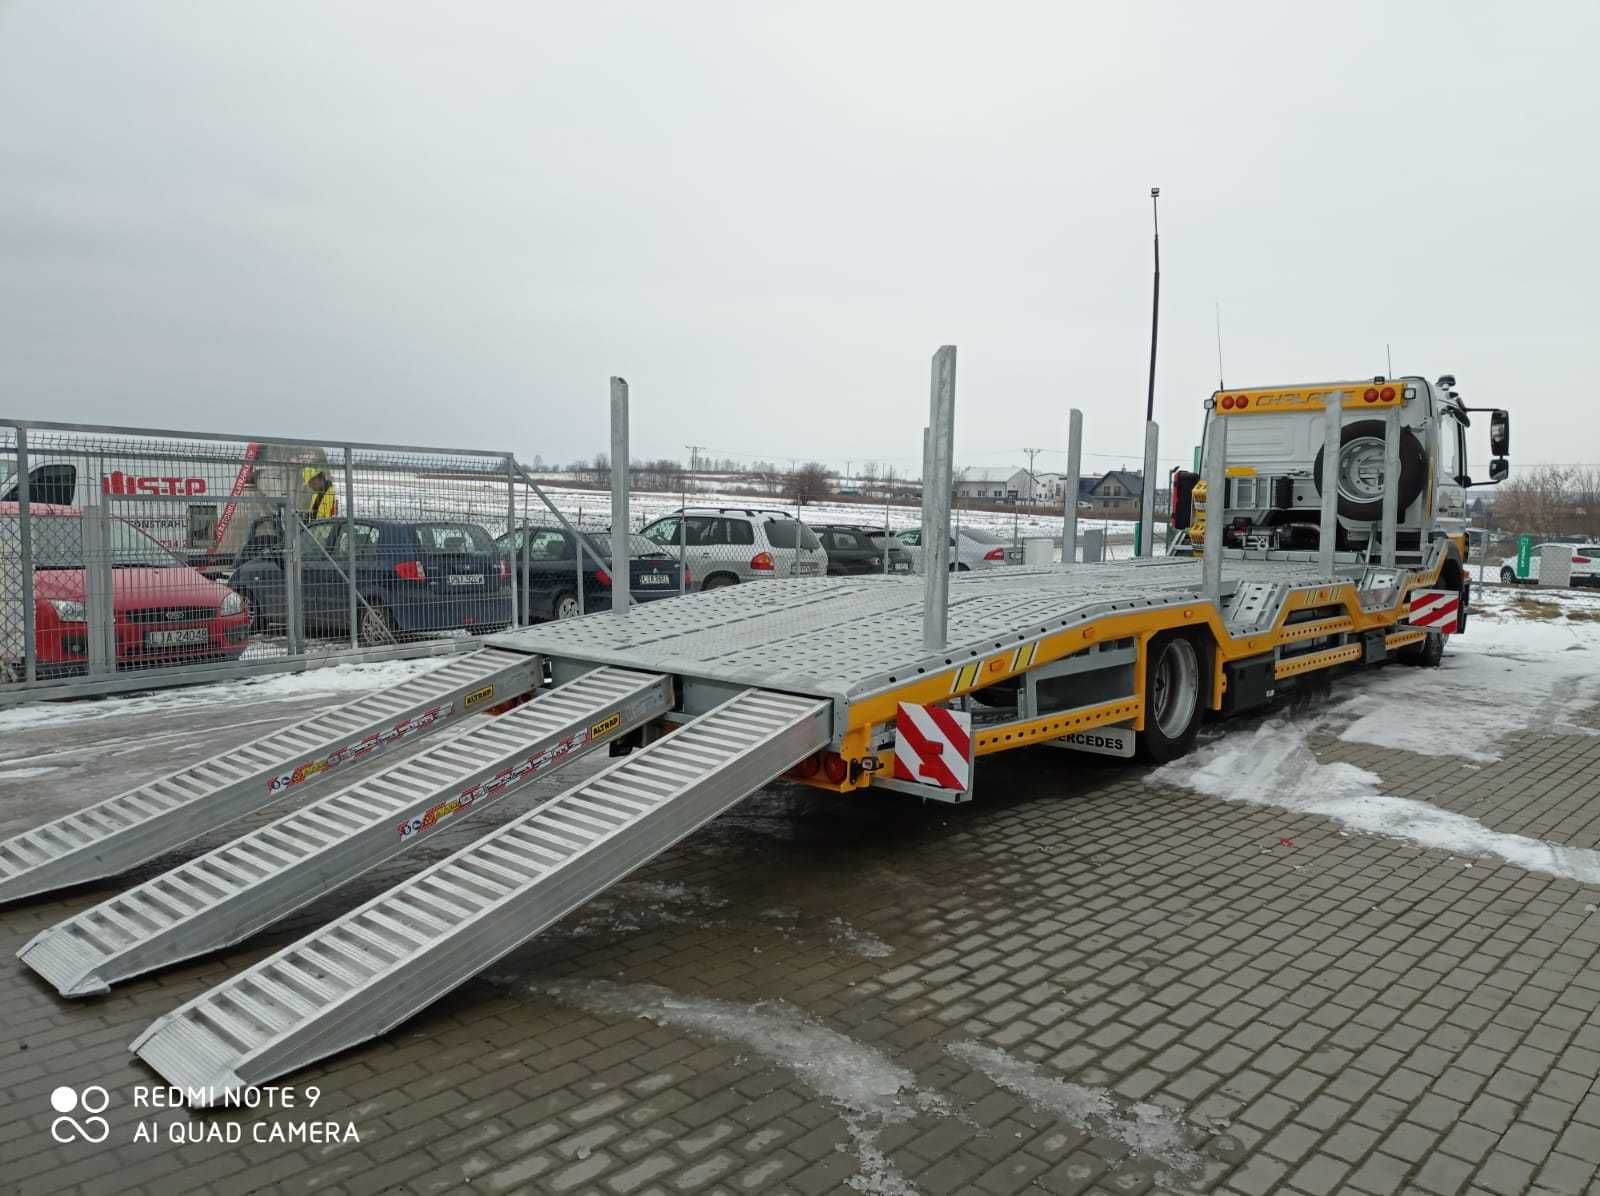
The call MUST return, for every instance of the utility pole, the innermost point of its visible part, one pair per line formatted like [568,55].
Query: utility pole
[1033,480]
[1155,305]
[694,456]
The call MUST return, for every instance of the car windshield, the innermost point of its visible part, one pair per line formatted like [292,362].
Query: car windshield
[782,533]
[639,546]
[58,543]
[453,537]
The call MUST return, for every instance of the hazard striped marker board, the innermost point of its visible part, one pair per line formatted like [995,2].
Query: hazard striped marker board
[933,751]
[1435,610]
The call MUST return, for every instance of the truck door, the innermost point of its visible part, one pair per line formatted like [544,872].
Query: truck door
[1449,463]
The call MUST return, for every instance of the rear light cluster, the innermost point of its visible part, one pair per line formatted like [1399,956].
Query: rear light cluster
[1373,394]
[829,764]
[1580,560]
[410,571]
[995,554]
[601,576]
[763,562]
[1230,402]
[505,571]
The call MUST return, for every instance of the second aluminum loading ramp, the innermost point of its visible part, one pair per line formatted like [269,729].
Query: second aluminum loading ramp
[376,966]
[121,832]
[228,894]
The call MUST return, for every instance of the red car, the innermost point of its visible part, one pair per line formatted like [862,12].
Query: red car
[165,612]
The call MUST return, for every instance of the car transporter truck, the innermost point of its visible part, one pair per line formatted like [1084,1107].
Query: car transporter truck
[1332,521]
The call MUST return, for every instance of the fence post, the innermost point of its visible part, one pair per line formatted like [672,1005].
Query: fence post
[511,530]
[99,586]
[1147,499]
[1069,516]
[1216,503]
[1328,527]
[936,533]
[621,572]
[293,568]
[1391,482]
[350,545]
[30,647]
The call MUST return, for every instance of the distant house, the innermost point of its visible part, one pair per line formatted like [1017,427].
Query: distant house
[993,484]
[1116,489]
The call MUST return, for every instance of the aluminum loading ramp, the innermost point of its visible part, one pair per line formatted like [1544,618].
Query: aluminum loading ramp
[374,967]
[228,894]
[139,825]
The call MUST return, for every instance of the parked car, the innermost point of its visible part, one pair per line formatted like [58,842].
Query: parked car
[1585,564]
[860,550]
[977,549]
[726,545]
[165,613]
[547,587]
[411,576]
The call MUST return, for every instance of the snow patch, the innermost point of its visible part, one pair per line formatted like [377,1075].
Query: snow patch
[868,946]
[870,1089]
[1149,1131]
[23,774]
[1275,766]
[648,905]
[345,679]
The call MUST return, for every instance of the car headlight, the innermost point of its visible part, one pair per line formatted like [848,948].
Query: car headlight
[232,604]
[69,611]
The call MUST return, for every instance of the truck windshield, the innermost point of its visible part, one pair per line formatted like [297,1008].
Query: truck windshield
[58,543]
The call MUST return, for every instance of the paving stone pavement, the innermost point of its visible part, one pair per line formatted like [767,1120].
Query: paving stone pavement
[1090,984]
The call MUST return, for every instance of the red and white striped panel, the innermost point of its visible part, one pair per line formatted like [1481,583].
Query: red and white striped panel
[933,746]
[1436,610]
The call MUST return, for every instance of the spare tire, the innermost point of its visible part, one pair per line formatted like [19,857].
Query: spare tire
[1360,470]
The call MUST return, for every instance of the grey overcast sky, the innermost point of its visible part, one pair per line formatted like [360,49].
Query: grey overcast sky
[449,223]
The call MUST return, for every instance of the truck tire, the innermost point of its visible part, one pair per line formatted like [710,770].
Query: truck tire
[1429,654]
[1174,693]
[1360,451]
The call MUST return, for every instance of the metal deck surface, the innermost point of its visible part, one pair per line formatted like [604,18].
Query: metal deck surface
[845,637]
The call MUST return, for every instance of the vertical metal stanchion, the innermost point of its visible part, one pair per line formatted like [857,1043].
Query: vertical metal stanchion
[30,647]
[886,540]
[1216,483]
[1147,496]
[99,592]
[350,547]
[927,495]
[523,557]
[620,571]
[1328,526]
[511,529]
[683,542]
[1069,516]
[293,569]
[936,536]
[1391,482]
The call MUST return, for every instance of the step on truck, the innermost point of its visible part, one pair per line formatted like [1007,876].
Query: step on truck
[826,681]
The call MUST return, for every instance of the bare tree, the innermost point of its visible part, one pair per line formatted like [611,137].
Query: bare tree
[809,482]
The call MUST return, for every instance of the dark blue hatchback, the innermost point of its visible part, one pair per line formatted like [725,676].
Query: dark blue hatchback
[410,576]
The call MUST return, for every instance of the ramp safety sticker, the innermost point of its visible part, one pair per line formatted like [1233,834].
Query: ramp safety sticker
[505,778]
[354,751]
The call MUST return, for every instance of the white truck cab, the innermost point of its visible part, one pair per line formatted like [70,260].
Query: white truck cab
[1276,466]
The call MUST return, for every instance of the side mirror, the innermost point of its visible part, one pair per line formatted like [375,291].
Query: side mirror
[1499,469]
[1500,434]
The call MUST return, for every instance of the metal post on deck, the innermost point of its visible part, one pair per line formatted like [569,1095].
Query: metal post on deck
[1328,528]
[99,586]
[927,497]
[621,573]
[511,529]
[1216,504]
[936,532]
[30,647]
[1147,497]
[1391,482]
[1069,515]
[293,569]
[350,546]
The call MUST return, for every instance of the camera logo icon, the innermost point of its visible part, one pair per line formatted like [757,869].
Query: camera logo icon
[93,1100]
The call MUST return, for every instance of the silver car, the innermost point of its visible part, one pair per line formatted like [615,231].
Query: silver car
[976,550]
[726,545]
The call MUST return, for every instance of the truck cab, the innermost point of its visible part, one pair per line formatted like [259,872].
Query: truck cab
[1277,466]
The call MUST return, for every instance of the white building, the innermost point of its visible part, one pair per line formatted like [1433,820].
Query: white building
[993,484]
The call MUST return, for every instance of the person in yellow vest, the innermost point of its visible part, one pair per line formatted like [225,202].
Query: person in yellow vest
[324,503]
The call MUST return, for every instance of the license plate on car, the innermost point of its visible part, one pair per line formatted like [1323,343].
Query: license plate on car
[902,567]
[466,579]
[176,637]
[654,579]
[806,567]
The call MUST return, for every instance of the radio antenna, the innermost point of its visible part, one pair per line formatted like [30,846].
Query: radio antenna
[1221,385]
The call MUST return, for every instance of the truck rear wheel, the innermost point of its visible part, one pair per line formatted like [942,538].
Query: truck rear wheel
[1174,686]
[1359,471]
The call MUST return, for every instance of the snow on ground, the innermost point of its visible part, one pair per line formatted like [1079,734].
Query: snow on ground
[1275,766]
[341,683]
[1525,663]
[862,943]
[1149,1131]
[869,1089]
